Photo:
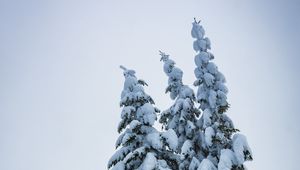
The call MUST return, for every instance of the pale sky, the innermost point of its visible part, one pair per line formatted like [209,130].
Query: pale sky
[61,83]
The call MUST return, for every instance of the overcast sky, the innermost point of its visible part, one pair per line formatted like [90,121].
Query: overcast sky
[60,83]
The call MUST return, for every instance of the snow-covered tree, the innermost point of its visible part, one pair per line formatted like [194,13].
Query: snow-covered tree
[182,115]
[194,138]
[141,145]
[224,148]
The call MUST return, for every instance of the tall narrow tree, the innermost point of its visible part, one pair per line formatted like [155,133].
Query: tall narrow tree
[182,115]
[142,146]
[224,148]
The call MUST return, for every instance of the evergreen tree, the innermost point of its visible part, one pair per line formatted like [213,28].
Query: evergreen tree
[223,147]
[188,142]
[182,115]
[141,145]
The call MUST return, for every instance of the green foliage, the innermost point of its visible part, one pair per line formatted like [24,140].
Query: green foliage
[142,82]
[248,155]
[223,109]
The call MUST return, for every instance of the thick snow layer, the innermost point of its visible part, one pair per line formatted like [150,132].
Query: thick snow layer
[146,114]
[187,104]
[129,81]
[168,66]
[212,68]
[197,31]
[127,72]
[221,86]
[137,88]
[119,140]
[240,145]
[149,162]
[173,94]
[185,92]
[126,111]
[128,96]
[154,140]
[220,135]
[178,105]
[168,63]
[127,137]
[209,79]
[189,128]
[220,77]
[212,99]
[198,73]
[202,92]
[208,43]
[206,164]
[201,59]
[118,156]
[133,124]
[206,118]
[194,164]
[186,147]
[176,74]
[205,56]
[119,166]
[162,165]
[227,120]
[204,44]
[171,139]
[222,98]
[209,133]
[201,44]
[136,153]
[227,159]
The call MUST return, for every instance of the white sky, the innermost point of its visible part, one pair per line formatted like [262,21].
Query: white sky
[60,81]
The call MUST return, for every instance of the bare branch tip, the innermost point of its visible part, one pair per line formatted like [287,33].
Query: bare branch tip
[195,20]
[123,68]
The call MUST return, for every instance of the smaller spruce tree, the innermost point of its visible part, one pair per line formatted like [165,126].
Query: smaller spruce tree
[141,145]
[182,115]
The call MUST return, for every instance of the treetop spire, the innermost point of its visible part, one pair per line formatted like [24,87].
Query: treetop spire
[127,72]
[164,56]
[195,21]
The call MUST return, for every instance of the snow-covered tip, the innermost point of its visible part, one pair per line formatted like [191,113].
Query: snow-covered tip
[197,30]
[227,160]
[164,56]
[209,133]
[195,21]
[241,148]
[194,164]
[118,156]
[149,162]
[134,124]
[119,166]
[162,165]
[123,68]
[154,140]
[186,148]
[146,114]
[171,139]
[126,71]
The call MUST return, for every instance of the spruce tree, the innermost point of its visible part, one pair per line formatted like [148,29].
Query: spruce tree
[224,148]
[182,115]
[194,138]
[141,145]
